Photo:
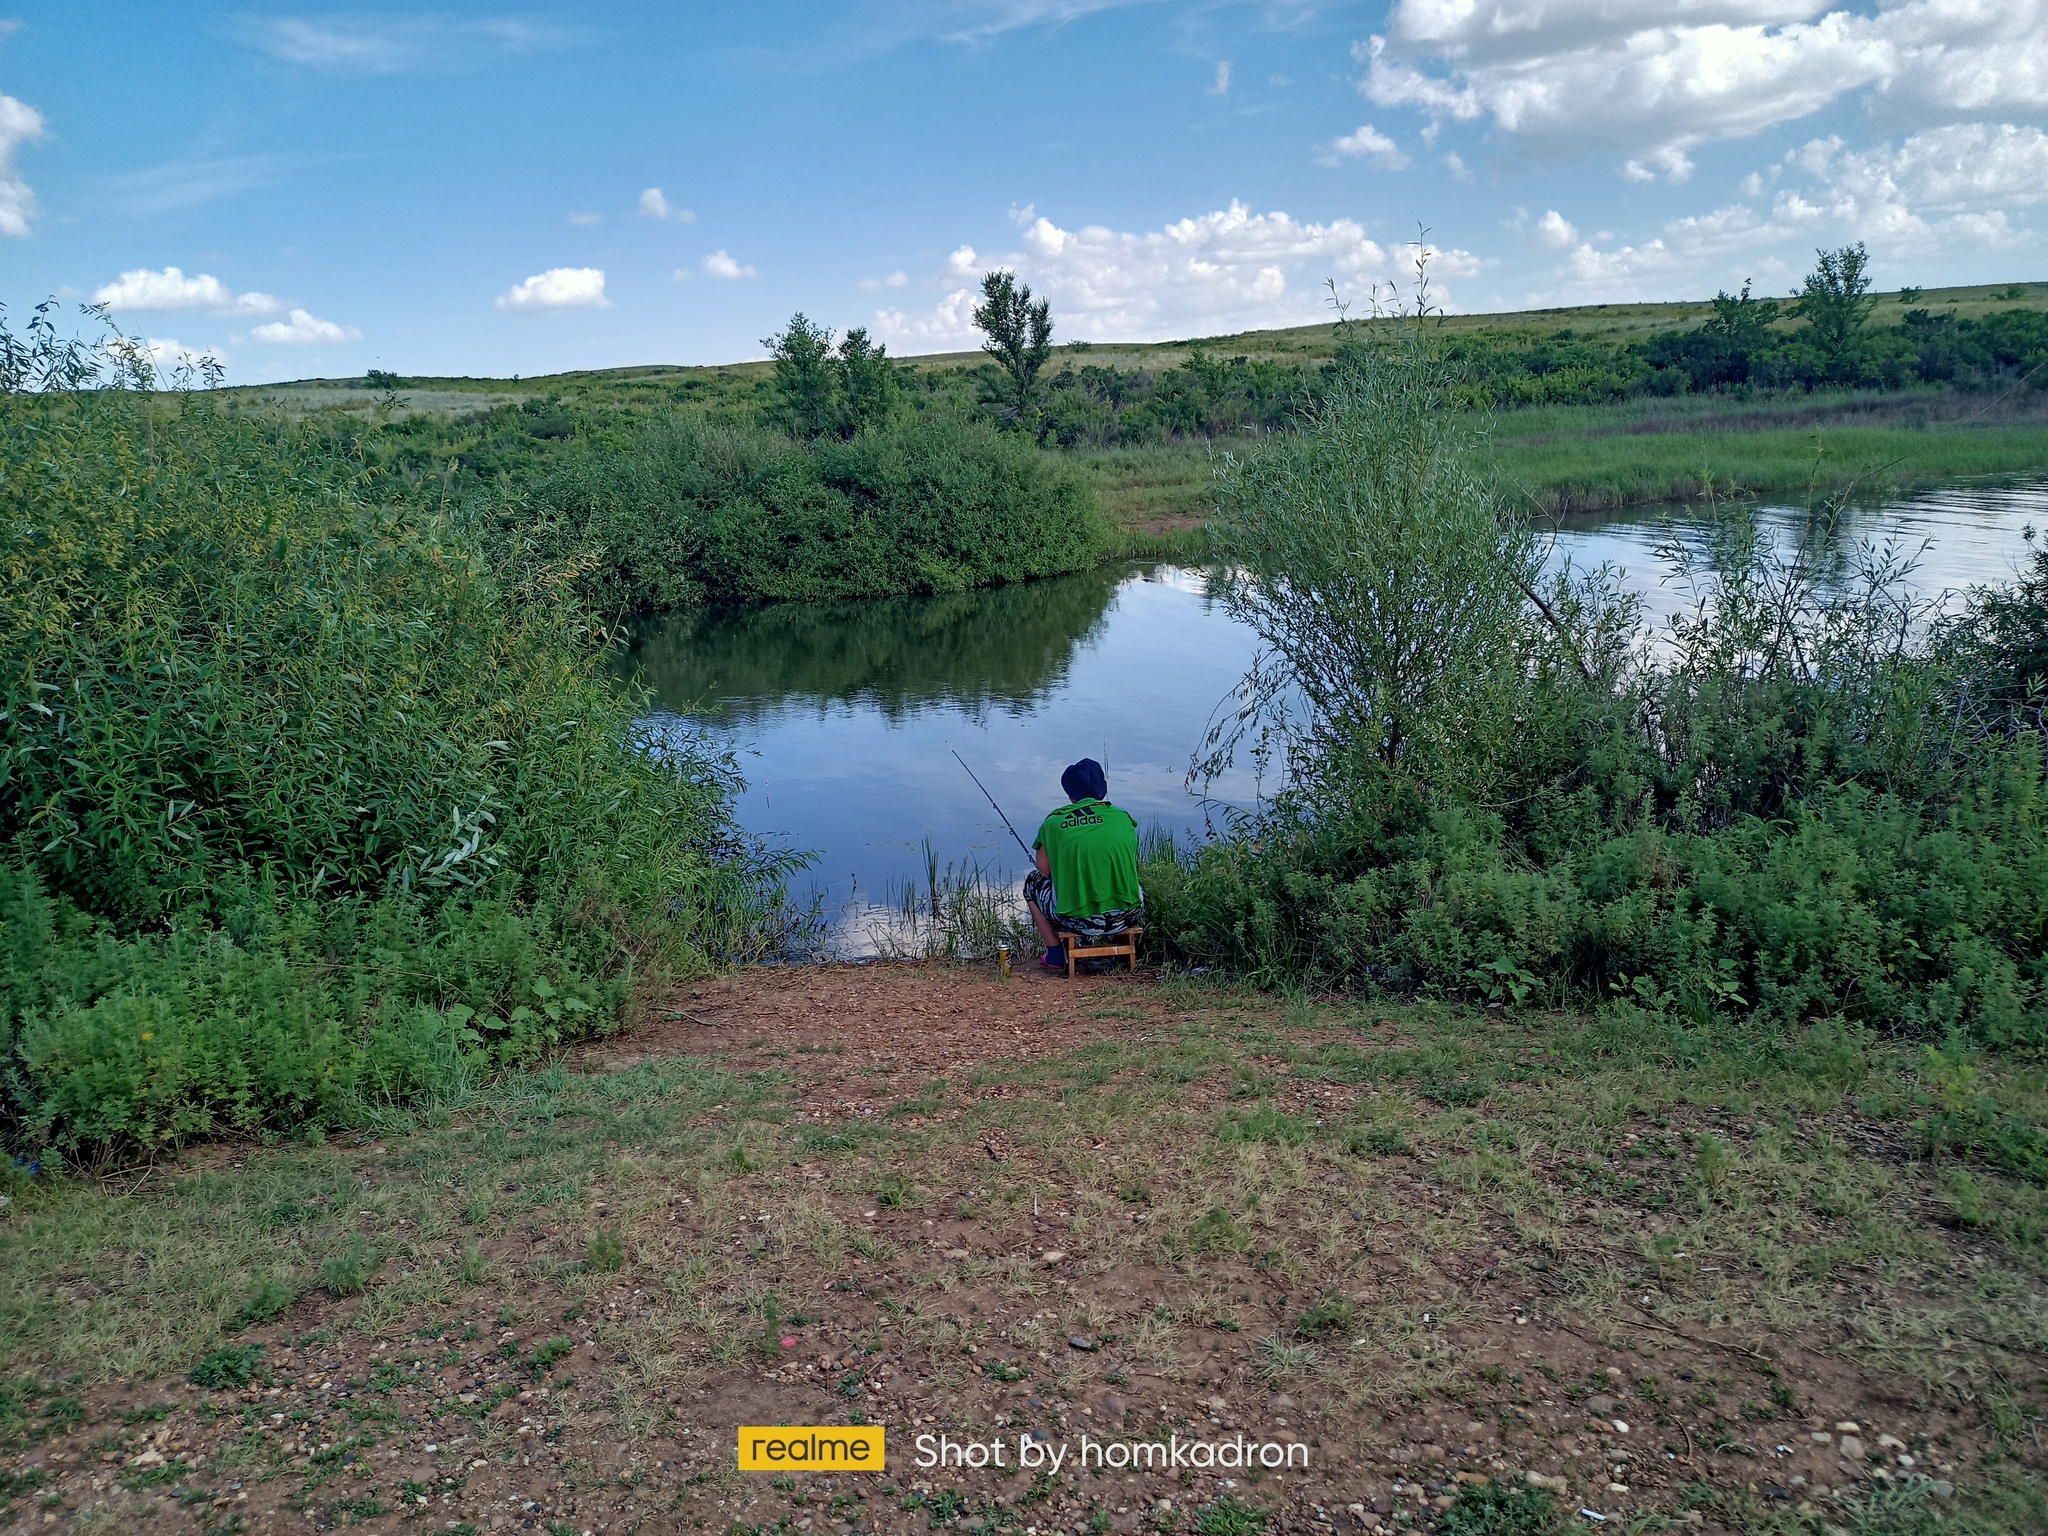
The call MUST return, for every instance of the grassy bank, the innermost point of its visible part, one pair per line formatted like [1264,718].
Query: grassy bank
[1563,459]
[1590,458]
[1450,1252]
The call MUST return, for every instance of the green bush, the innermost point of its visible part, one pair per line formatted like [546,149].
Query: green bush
[698,510]
[1794,804]
[298,811]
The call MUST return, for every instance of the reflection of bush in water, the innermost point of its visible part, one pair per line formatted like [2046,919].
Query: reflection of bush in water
[998,647]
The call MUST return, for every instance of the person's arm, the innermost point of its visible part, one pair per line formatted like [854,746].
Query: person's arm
[1044,861]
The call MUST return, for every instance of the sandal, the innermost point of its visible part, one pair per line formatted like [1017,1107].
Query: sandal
[1054,958]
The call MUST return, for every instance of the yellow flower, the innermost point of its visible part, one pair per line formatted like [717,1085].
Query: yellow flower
[148,1035]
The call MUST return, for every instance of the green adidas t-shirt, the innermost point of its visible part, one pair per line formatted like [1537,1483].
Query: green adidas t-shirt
[1092,848]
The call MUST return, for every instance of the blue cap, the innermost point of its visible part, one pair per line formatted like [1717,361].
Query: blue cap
[1085,781]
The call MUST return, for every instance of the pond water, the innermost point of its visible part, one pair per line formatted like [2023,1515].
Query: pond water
[846,715]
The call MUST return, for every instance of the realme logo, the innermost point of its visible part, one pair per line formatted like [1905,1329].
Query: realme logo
[803,1447]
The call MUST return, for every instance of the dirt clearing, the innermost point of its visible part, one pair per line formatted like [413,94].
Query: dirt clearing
[1331,1266]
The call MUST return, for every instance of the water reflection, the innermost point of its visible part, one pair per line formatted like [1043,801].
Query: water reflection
[969,651]
[1957,536]
[846,713]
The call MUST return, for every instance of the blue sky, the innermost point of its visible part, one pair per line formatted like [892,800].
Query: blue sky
[488,190]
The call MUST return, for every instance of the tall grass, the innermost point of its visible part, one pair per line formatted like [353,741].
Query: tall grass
[959,912]
[1598,473]
[295,805]
[1593,458]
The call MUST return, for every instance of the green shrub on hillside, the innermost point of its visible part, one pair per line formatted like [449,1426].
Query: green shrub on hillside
[296,809]
[705,511]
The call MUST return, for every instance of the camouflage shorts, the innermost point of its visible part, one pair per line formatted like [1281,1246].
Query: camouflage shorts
[1103,925]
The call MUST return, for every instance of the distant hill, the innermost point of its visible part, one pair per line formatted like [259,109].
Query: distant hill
[1301,344]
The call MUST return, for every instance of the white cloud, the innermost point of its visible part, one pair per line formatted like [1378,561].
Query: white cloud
[1556,231]
[19,124]
[1946,170]
[655,206]
[1227,270]
[1959,189]
[893,280]
[1368,142]
[979,21]
[1948,187]
[365,44]
[586,218]
[1686,256]
[1222,85]
[558,288]
[1659,77]
[179,184]
[164,354]
[719,264]
[172,289]
[300,329]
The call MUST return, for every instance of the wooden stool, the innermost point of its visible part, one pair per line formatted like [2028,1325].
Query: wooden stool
[1125,944]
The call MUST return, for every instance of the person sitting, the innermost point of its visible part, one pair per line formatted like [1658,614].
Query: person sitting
[1086,887]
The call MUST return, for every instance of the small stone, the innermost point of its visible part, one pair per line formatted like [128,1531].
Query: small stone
[1848,1427]
[958,1253]
[1282,1400]
[1890,1443]
[1053,1256]
[1620,1426]
[1821,1437]
[1551,1484]
[1382,1504]
[1079,1341]
[1600,1406]
[1478,1478]
[1442,1501]
[1617,1487]
[1941,1489]
[1432,1453]
[1851,1448]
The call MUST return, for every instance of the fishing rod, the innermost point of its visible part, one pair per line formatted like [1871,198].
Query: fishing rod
[991,800]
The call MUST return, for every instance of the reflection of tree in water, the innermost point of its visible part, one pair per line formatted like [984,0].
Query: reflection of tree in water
[1001,647]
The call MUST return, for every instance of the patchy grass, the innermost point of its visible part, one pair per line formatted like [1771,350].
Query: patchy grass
[1447,1251]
